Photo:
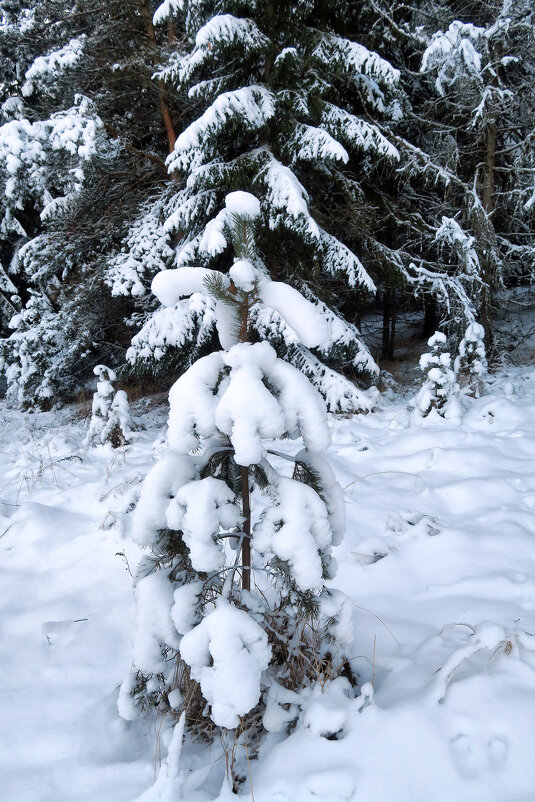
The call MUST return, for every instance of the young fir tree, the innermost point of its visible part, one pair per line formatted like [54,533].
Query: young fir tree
[287,113]
[439,390]
[231,601]
[110,412]
[471,361]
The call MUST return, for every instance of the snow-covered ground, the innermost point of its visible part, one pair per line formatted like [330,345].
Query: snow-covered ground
[439,559]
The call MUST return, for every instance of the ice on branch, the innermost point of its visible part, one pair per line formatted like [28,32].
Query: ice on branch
[227,653]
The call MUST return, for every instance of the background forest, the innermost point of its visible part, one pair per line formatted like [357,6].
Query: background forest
[390,147]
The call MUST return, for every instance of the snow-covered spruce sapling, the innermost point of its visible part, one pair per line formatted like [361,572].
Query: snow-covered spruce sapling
[232,596]
[110,412]
[439,387]
[471,361]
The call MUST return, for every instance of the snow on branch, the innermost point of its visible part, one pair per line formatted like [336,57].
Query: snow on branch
[199,509]
[222,31]
[337,258]
[189,323]
[355,132]
[340,394]
[27,163]
[46,69]
[296,529]
[251,107]
[308,143]
[463,245]
[287,199]
[166,10]
[354,58]
[227,653]
[145,251]
[452,55]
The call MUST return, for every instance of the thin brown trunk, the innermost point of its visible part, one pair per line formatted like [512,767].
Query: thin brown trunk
[246,542]
[164,108]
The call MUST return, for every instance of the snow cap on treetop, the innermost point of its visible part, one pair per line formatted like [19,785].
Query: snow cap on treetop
[244,275]
[437,337]
[243,203]
[104,373]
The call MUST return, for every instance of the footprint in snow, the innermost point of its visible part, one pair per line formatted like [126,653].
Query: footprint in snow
[470,756]
[498,749]
[466,755]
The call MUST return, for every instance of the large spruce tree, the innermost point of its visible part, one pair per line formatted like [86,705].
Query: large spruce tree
[287,108]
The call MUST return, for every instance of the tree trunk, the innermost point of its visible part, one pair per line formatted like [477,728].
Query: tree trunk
[389,325]
[430,317]
[246,542]
[164,108]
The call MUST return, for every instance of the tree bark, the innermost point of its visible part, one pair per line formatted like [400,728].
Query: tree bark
[246,542]
[164,108]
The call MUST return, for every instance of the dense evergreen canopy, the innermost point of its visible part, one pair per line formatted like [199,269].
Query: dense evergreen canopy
[390,147]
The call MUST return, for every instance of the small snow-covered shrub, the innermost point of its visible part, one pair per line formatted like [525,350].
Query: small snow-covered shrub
[439,388]
[110,412]
[471,361]
[232,594]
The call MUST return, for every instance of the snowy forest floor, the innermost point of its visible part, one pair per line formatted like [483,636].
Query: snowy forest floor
[439,560]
